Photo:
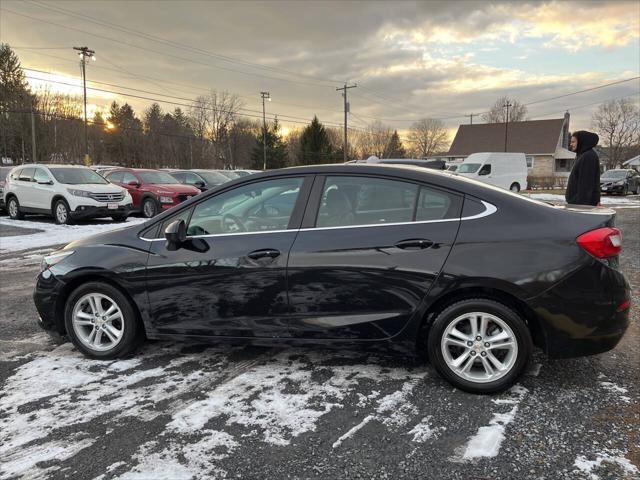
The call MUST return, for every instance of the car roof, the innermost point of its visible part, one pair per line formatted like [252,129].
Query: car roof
[50,165]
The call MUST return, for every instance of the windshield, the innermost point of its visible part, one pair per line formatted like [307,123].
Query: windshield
[468,168]
[614,174]
[230,174]
[77,176]
[156,178]
[213,178]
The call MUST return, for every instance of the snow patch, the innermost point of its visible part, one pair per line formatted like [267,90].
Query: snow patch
[55,234]
[586,467]
[550,197]
[350,432]
[423,431]
[613,388]
[487,441]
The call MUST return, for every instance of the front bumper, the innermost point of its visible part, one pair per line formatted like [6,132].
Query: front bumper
[611,188]
[580,315]
[92,211]
[45,297]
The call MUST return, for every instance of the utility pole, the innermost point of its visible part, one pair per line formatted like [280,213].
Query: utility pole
[470,118]
[264,95]
[33,136]
[506,124]
[346,111]
[84,53]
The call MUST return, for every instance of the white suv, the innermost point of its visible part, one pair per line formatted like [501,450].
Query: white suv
[65,192]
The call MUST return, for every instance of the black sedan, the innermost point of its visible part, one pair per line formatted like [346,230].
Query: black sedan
[623,181]
[201,179]
[471,275]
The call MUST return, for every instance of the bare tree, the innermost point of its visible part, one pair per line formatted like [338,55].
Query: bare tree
[498,112]
[427,137]
[374,140]
[618,124]
[222,113]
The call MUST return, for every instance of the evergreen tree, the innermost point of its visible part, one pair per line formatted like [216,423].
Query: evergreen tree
[395,149]
[315,146]
[276,149]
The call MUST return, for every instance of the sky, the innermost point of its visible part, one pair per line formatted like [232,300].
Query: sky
[409,60]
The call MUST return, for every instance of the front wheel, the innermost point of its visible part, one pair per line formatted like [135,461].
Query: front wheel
[101,321]
[479,345]
[149,208]
[61,213]
[515,187]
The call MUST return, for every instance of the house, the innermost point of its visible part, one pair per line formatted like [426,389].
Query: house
[544,142]
[633,163]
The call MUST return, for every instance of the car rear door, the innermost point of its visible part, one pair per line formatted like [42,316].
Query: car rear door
[229,277]
[367,254]
[24,188]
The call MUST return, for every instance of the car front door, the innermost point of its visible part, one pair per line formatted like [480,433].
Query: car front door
[367,254]
[42,189]
[229,277]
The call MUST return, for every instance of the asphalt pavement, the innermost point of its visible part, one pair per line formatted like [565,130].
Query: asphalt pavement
[182,410]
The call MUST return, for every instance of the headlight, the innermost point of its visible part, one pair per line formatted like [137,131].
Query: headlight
[79,193]
[166,200]
[49,261]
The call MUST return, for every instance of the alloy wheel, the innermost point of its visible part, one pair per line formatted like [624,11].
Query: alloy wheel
[149,209]
[98,322]
[479,347]
[61,212]
[13,208]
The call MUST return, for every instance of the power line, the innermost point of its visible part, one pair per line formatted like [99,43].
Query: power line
[190,105]
[583,91]
[178,45]
[281,79]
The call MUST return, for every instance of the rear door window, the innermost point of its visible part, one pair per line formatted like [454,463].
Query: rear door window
[26,174]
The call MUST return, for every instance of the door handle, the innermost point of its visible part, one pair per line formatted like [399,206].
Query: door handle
[265,253]
[414,244]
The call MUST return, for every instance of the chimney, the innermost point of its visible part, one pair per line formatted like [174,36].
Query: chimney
[565,130]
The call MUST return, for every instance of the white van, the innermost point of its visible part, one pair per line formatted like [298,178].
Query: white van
[504,170]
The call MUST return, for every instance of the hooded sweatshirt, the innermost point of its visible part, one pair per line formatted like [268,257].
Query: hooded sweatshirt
[583,187]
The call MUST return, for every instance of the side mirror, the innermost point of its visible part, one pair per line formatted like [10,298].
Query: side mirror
[134,183]
[176,234]
[199,184]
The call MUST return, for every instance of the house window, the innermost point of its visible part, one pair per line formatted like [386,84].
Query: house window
[529,161]
[564,164]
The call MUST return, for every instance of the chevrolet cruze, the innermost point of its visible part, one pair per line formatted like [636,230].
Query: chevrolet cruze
[471,275]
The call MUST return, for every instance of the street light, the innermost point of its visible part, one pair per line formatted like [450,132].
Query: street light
[264,95]
[84,53]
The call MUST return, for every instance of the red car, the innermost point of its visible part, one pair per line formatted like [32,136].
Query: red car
[152,191]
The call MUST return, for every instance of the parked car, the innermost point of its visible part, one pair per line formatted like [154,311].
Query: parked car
[504,170]
[201,179]
[66,192]
[152,191]
[230,174]
[244,173]
[4,171]
[470,275]
[623,181]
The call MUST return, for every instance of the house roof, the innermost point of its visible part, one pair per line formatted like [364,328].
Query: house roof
[531,137]
[633,161]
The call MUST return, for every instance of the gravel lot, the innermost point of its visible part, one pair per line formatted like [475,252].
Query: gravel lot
[201,411]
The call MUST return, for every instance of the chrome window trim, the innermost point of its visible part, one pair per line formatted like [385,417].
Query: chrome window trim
[490,209]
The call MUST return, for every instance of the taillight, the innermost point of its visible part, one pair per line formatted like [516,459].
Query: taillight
[602,243]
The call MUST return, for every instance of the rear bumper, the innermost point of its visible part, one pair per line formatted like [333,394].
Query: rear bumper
[90,211]
[580,316]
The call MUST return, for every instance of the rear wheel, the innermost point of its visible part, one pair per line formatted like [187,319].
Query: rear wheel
[515,187]
[479,345]
[101,321]
[61,213]
[149,207]
[13,209]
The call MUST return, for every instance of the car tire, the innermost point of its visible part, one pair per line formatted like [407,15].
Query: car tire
[95,335]
[638,189]
[625,191]
[149,207]
[119,218]
[13,209]
[462,359]
[515,187]
[61,213]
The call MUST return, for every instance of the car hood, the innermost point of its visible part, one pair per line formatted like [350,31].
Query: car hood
[124,237]
[173,188]
[95,187]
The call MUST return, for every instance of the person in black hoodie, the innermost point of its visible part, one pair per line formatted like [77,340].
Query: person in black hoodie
[583,187]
